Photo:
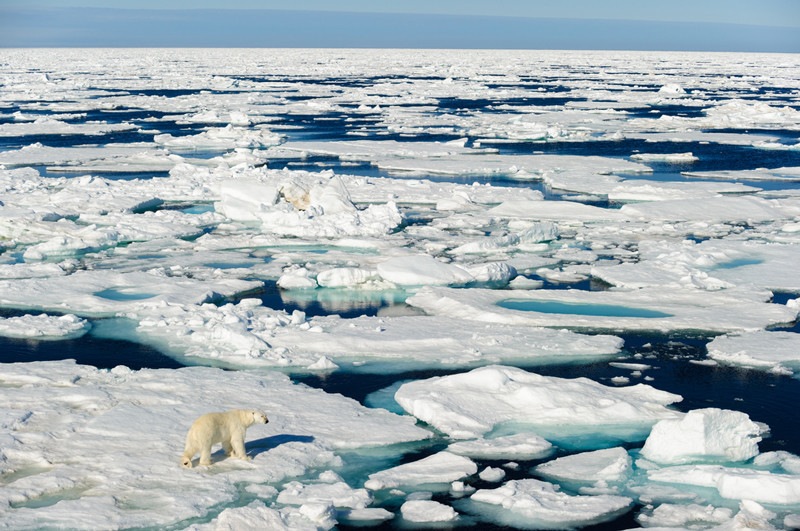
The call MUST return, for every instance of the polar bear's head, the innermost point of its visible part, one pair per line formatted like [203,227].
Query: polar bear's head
[259,417]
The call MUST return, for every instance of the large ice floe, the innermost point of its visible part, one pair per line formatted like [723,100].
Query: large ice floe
[472,404]
[466,257]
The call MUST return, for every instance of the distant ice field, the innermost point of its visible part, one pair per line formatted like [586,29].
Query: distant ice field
[470,289]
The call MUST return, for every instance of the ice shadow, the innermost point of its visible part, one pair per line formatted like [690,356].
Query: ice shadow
[253,448]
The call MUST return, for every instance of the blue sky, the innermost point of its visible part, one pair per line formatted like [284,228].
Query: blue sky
[718,25]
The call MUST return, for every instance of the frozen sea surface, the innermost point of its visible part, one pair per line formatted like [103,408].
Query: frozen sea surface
[396,254]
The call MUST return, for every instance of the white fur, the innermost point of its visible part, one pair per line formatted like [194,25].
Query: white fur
[227,428]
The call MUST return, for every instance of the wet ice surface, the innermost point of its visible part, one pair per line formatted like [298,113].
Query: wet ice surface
[570,277]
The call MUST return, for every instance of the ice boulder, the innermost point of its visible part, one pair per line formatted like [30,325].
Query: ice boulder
[715,434]
[422,270]
[422,511]
[611,465]
[467,405]
[542,506]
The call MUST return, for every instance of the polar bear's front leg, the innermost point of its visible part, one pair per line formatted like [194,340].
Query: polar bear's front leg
[237,442]
[205,455]
[226,445]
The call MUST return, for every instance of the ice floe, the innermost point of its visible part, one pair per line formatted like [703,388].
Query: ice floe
[106,443]
[767,350]
[531,503]
[471,404]
[735,483]
[443,467]
[644,309]
[598,468]
[44,326]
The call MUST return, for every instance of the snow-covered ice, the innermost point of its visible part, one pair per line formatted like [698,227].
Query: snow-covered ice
[443,467]
[538,504]
[767,350]
[181,199]
[44,326]
[703,434]
[611,465]
[471,404]
[108,442]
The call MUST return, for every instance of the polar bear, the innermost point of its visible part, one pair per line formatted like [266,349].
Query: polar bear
[227,428]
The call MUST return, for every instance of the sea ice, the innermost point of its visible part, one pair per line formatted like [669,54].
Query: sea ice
[768,350]
[443,467]
[44,326]
[612,465]
[248,334]
[703,434]
[684,516]
[108,292]
[422,270]
[105,444]
[468,405]
[421,511]
[522,446]
[735,483]
[644,309]
[537,504]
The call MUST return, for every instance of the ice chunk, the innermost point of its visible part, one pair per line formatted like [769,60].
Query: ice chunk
[542,505]
[338,493]
[471,404]
[443,467]
[612,465]
[685,516]
[421,511]
[44,326]
[492,474]
[421,270]
[735,483]
[710,433]
[257,515]
[774,351]
[522,446]
[674,158]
